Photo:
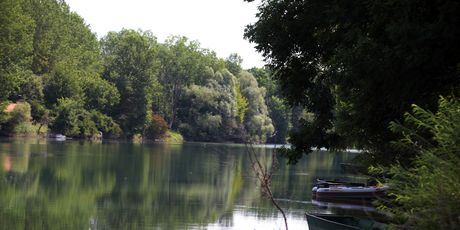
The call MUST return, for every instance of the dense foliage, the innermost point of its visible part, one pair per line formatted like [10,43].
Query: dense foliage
[16,36]
[124,85]
[130,63]
[50,56]
[427,195]
[257,122]
[12,121]
[278,108]
[212,112]
[156,128]
[357,65]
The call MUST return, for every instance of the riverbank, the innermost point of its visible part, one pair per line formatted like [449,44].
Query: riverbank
[170,137]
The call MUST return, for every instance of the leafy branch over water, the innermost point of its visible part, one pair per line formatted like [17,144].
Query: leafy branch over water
[426,193]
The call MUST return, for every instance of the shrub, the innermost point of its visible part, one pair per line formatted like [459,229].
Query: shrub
[39,111]
[67,116]
[3,114]
[71,119]
[173,137]
[156,128]
[21,114]
[106,125]
[427,195]
[26,128]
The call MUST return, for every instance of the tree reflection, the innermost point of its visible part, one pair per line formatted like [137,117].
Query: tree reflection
[79,185]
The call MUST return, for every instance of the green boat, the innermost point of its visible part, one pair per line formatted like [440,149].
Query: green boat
[338,222]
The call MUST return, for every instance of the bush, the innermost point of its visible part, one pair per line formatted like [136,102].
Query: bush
[173,137]
[71,119]
[21,114]
[26,128]
[39,112]
[427,195]
[67,116]
[156,128]
[106,125]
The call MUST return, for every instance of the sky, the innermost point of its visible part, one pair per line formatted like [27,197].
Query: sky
[217,24]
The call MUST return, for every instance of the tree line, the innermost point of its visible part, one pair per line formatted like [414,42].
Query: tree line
[126,83]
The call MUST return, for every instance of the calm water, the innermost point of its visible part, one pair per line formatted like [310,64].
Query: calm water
[82,185]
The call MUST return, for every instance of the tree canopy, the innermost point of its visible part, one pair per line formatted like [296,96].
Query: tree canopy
[357,65]
[16,40]
[131,65]
[51,59]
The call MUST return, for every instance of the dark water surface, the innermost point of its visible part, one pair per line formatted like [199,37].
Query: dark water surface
[82,185]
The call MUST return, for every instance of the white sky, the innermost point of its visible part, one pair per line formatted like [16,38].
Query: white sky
[217,24]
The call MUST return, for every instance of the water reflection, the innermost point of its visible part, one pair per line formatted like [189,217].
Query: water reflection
[243,218]
[81,185]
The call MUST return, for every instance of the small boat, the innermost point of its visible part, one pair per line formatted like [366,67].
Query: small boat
[58,137]
[366,192]
[345,204]
[333,189]
[338,222]
[321,183]
[326,183]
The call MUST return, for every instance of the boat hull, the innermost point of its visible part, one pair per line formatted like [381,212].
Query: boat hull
[354,204]
[348,192]
[338,222]
[319,222]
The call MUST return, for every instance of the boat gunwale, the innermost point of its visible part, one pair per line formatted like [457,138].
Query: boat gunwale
[351,195]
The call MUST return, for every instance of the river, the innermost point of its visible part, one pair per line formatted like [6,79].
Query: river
[47,184]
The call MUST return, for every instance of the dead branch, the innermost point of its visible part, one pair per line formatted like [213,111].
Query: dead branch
[264,176]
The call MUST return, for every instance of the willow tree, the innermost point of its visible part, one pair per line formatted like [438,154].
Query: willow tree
[209,112]
[257,122]
[183,63]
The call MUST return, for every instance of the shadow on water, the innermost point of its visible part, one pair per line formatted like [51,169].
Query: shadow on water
[116,185]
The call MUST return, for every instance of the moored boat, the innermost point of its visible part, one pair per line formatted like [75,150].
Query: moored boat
[363,205]
[333,189]
[57,137]
[361,192]
[60,137]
